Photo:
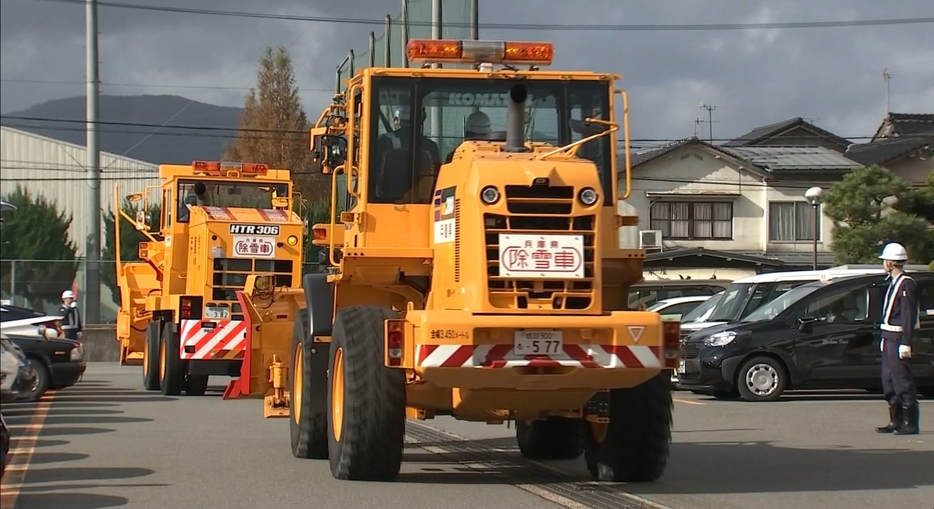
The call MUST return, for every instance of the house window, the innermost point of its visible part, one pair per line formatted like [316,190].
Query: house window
[792,221]
[693,220]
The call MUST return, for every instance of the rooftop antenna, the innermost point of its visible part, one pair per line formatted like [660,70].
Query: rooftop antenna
[710,122]
[697,123]
[886,76]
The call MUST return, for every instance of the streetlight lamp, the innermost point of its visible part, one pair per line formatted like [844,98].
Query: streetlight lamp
[813,196]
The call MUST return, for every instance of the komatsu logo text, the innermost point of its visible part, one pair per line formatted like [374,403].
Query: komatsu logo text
[254,229]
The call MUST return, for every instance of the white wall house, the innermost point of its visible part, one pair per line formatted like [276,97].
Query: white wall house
[742,209]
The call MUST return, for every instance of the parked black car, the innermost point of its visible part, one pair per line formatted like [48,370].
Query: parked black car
[58,362]
[4,444]
[820,335]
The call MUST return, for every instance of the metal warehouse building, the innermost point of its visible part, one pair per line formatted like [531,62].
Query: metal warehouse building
[56,170]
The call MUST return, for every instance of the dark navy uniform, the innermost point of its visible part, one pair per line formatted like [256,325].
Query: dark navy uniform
[900,318]
[71,320]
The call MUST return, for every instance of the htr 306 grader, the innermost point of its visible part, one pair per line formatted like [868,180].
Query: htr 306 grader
[488,284]
[220,222]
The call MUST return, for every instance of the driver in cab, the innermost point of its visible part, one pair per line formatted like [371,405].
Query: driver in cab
[476,127]
[197,196]
[395,176]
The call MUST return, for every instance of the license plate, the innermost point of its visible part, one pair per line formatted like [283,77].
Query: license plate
[538,342]
[217,312]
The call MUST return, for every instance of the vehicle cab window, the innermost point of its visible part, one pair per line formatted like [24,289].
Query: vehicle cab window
[840,307]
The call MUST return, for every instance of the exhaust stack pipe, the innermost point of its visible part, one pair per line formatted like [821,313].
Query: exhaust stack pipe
[515,119]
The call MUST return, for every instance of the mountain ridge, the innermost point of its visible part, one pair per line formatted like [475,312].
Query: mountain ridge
[130,126]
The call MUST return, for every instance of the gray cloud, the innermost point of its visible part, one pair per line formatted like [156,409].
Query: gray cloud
[753,77]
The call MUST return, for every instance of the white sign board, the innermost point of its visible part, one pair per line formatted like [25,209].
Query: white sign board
[541,256]
[254,247]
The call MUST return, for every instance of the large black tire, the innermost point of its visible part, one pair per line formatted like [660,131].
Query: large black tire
[761,379]
[43,380]
[196,385]
[367,436]
[637,441]
[308,395]
[151,357]
[554,438]
[172,376]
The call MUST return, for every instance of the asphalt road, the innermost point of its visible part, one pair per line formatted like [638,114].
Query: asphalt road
[106,443]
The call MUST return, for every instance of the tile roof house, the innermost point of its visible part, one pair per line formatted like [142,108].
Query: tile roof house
[903,143]
[792,132]
[733,209]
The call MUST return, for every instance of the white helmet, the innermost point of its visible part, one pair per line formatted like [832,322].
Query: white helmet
[478,123]
[895,252]
[68,294]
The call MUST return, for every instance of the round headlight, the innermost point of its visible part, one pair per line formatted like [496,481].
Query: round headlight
[292,240]
[489,195]
[588,196]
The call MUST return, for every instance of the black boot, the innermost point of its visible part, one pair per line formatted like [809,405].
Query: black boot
[896,415]
[909,423]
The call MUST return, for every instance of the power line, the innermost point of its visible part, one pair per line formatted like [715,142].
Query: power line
[234,131]
[790,184]
[144,85]
[523,26]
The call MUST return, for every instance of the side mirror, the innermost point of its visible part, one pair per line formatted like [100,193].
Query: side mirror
[805,323]
[328,151]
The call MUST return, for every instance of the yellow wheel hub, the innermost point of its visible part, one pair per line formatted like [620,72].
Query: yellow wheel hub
[337,393]
[297,374]
[146,356]
[162,360]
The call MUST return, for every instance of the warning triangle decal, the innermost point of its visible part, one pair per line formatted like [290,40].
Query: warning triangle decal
[635,331]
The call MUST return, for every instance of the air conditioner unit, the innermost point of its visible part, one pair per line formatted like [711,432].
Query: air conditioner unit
[650,240]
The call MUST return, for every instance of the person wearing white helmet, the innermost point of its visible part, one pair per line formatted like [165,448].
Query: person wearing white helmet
[477,126]
[393,169]
[71,319]
[900,318]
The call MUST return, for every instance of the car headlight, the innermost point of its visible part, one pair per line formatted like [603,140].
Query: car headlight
[77,353]
[720,339]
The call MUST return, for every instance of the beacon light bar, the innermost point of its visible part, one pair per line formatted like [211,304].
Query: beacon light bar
[470,51]
[221,168]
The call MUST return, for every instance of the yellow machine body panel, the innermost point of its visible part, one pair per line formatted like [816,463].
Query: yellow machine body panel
[219,223]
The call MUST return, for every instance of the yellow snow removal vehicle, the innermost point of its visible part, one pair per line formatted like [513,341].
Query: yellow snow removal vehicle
[474,270]
[220,223]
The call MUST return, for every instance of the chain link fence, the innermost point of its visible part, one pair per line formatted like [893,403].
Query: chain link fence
[38,284]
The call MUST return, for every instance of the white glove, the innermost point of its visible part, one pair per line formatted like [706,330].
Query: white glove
[904,352]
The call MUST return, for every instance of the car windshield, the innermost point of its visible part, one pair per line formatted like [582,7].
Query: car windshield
[698,313]
[740,299]
[786,300]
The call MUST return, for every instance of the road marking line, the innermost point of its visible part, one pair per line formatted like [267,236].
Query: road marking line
[689,402]
[10,486]
[530,488]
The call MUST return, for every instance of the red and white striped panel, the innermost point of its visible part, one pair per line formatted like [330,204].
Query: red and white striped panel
[227,340]
[502,356]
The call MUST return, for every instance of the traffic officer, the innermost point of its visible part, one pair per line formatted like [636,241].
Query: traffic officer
[71,319]
[899,319]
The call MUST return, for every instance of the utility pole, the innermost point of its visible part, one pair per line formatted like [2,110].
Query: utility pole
[709,109]
[436,33]
[92,271]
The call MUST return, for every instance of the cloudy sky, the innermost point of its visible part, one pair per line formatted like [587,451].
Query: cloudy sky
[832,76]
